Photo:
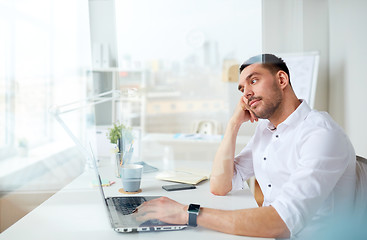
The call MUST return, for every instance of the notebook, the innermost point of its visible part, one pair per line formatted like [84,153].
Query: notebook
[183,175]
[120,210]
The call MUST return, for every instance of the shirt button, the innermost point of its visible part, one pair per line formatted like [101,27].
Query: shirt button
[269,185]
[277,136]
[264,158]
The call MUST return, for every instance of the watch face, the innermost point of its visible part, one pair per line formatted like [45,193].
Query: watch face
[194,208]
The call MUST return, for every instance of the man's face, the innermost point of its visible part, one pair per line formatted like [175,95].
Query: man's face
[260,89]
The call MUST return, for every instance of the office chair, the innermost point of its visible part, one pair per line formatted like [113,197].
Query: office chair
[361,187]
[351,226]
[209,127]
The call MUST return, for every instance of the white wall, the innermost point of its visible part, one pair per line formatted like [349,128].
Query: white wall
[103,32]
[348,80]
[335,28]
[295,26]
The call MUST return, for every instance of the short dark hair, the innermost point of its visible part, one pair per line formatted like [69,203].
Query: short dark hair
[268,61]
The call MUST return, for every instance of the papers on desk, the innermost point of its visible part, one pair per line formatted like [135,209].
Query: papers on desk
[182,175]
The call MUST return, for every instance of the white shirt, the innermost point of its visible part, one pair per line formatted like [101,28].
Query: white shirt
[305,168]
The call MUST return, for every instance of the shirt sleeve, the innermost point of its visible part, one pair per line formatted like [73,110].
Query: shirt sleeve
[324,154]
[243,167]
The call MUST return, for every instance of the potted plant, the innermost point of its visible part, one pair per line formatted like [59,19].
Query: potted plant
[122,136]
[115,133]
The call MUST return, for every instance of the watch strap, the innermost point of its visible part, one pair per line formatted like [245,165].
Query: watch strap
[193,214]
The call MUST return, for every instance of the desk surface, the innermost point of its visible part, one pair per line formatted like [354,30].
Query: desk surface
[77,211]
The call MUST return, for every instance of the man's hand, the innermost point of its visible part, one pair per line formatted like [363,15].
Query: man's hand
[257,222]
[163,209]
[242,113]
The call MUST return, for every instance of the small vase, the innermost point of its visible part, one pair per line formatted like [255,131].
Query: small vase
[118,163]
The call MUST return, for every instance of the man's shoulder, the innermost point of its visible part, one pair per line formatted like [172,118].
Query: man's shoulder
[321,125]
[320,119]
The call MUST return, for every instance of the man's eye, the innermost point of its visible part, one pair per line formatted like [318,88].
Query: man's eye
[253,81]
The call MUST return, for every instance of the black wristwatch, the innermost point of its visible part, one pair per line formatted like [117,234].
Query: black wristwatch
[193,214]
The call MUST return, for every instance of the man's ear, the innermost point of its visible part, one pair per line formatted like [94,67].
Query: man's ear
[283,79]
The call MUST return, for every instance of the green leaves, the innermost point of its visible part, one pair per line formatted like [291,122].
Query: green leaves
[119,130]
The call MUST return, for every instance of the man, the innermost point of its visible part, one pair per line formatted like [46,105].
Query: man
[304,163]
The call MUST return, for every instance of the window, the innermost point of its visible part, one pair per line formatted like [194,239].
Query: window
[44,57]
[6,126]
[184,51]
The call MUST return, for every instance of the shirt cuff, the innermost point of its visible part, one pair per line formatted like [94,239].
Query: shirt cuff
[290,218]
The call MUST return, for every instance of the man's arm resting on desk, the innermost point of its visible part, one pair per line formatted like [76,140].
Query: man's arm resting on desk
[256,222]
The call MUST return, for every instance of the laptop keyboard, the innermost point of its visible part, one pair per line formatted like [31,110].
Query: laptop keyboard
[126,205]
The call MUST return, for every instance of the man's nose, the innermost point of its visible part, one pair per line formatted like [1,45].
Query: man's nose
[247,93]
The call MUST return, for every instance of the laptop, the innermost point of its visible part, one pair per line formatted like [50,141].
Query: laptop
[120,211]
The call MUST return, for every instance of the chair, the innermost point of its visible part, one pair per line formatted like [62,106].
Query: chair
[361,186]
[209,127]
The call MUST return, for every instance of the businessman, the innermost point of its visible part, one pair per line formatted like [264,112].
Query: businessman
[303,161]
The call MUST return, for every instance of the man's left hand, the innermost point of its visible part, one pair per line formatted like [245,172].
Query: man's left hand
[163,209]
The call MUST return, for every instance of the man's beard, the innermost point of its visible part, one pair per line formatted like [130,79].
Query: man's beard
[269,108]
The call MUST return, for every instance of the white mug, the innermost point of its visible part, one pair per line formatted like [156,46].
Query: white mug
[131,177]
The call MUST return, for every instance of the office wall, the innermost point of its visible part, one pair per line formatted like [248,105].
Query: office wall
[296,26]
[336,29]
[103,33]
[348,80]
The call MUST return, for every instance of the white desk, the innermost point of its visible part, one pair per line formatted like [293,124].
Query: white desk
[77,211]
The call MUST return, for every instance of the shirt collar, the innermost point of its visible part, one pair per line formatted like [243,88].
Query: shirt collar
[297,116]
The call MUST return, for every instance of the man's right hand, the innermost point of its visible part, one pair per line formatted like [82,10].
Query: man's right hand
[242,113]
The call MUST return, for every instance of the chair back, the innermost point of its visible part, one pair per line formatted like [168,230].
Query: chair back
[208,127]
[361,186]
